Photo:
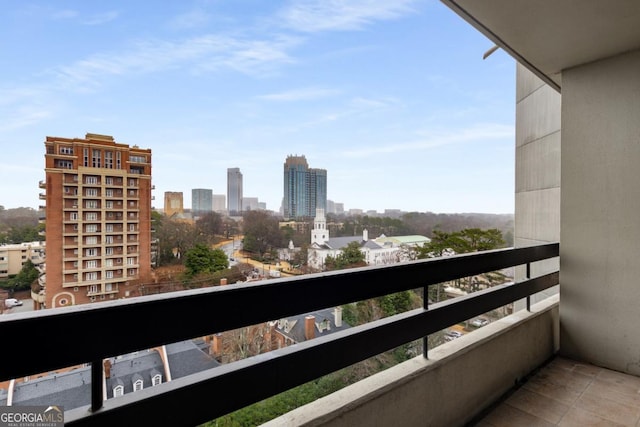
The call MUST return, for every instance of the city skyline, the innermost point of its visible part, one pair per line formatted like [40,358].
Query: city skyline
[392,98]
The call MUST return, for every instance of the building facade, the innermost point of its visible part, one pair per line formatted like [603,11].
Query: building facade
[201,201]
[305,189]
[98,219]
[173,203]
[13,257]
[219,203]
[234,191]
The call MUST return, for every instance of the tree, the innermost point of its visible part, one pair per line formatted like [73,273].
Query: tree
[209,225]
[261,232]
[23,280]
[203,259]
[351,256]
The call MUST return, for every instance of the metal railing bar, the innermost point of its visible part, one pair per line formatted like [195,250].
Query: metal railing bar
[175,316]
[282,369]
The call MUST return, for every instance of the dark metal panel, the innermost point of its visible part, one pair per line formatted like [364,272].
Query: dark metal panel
[198,398]
[119,327]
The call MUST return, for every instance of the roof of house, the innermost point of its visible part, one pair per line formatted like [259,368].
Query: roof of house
[70,389]
[127,369]
[404,240]
[323,318]
[186,358]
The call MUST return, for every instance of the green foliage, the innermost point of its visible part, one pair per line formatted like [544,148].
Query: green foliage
[395,303]
[464,241]
[351,256]
[23,280]
[203,259]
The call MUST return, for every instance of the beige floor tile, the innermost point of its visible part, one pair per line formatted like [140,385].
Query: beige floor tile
[627,383]
[559,392]
[577,417]
[567,378]
[539,405]
[614,392]
[609,409]
[508,416]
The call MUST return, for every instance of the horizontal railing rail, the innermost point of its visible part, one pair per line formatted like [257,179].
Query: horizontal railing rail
[120,327]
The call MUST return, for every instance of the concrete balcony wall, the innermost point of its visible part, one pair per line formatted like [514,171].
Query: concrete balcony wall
[600,204]
[459,380]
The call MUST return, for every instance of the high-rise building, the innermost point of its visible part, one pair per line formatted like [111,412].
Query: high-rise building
[305,189]
[201,201]
[250,204]
[219,202]
[98,219]
[173,203]
[234,191]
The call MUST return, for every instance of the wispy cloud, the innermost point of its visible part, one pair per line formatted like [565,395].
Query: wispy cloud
[477,133]
[339,15]
[65,14]
[101,18]
[201,54]
[305,94]
[192,19]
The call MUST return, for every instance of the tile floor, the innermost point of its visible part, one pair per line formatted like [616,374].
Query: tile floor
[569,393]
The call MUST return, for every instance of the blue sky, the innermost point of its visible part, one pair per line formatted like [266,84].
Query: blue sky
[393,98]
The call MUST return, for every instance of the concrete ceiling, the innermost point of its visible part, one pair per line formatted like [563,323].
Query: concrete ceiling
[549,36]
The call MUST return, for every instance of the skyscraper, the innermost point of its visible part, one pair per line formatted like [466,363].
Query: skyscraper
[98,218]
[234,191]
[305,189]
[201,201]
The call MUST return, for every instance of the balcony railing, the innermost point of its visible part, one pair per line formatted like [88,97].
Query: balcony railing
[171,317]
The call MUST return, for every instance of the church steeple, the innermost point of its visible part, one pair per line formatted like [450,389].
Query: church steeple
[320,232]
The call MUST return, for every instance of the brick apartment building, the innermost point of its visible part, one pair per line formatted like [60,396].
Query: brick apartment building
[98,219]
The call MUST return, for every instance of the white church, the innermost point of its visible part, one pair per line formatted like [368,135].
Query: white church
[380,251]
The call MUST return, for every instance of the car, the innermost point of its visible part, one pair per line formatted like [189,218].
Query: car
[452,335]
[12,302]
[480,321]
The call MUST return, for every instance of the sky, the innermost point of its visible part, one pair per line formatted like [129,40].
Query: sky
[392,98]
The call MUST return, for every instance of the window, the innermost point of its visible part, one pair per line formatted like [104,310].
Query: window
[93,192]
[91,216]
[86,157]
[138,159]
[66,150]
[95,158]
[108,193]
[109,286]
[91,204]
[132,227]
[108,159]
[91,276]
[90,179]
[63,164]
[91,228]
[92,240]
[108,239]
[118,160]
[131,261]
[91,252]
[109,228]
[137,385]
[118,391]
[109,251]
[156,380]
[109,204]
[108,263]
[109,275]
[73,216]
[92,264]
[108,180]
